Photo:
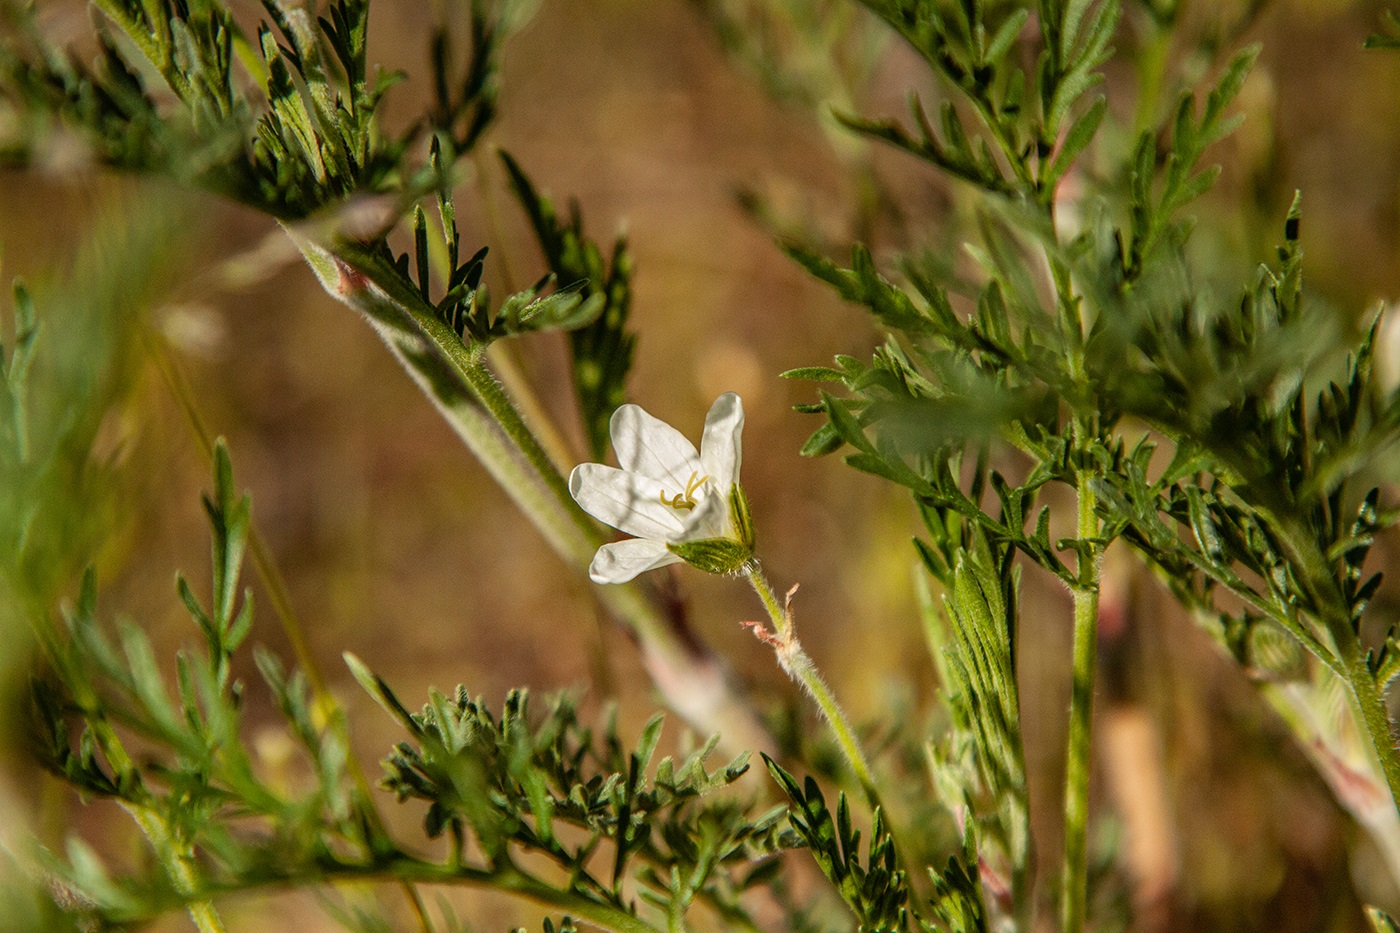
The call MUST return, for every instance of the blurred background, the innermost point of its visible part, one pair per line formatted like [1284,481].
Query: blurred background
[399,548]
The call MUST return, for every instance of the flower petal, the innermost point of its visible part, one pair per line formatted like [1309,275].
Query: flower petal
[720,447]
[653,448]
[709,518]
[623,560]
[626,501]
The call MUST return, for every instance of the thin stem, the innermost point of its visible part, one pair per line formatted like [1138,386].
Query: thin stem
[183,393]
[504,362]
[1074,890]
[1374,718]
[800,667]
[782,625]
[420,911]
[509,878]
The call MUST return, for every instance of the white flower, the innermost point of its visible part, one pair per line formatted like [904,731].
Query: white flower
[679,504]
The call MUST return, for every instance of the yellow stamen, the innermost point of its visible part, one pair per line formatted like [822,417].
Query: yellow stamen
[685,501]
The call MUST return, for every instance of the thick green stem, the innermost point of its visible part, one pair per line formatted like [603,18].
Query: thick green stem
[484,385]
[1074,881]
[800,667]
[453,377]
[1307,707]
[1375,718]
[178,865]
[1369,696]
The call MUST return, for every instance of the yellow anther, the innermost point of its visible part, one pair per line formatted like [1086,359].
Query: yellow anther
[685,501]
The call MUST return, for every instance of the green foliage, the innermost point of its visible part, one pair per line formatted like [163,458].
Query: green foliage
[465,92]
[194,772]
[315,142]
[288,124]
[1275,455]
[874,885]
[1223,381]
[874,888]
[980,764]
[1236,443]
[69,365]
[1020,145]
[1160,190]
[465,305]
[552,787]
[814,54]
[517,784]
[292,129]
[1267,467]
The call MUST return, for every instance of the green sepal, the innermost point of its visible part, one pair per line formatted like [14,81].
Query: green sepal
[740,517]
[713,555]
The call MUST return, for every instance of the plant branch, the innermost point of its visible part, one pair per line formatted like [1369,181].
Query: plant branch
[1374,717]
[1074,882]
[406,870]
[178,865]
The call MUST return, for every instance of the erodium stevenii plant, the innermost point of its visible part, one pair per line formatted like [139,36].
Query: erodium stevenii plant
[687,506]
[679,504]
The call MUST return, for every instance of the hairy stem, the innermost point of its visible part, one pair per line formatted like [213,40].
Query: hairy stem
[1375,718]
[799,666]
[179,865]
[1369,696]
[1074,881]
[1306,706]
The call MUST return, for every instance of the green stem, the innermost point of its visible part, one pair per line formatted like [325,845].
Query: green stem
[1305,707]
[800,667]
[455,376]
[483,383]
[178,865]
[455,379]
[1375,718]
[1074,890]
[782,625]
[508,878]
[1369,696]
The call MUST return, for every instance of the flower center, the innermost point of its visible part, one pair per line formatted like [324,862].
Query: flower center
[685,501]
